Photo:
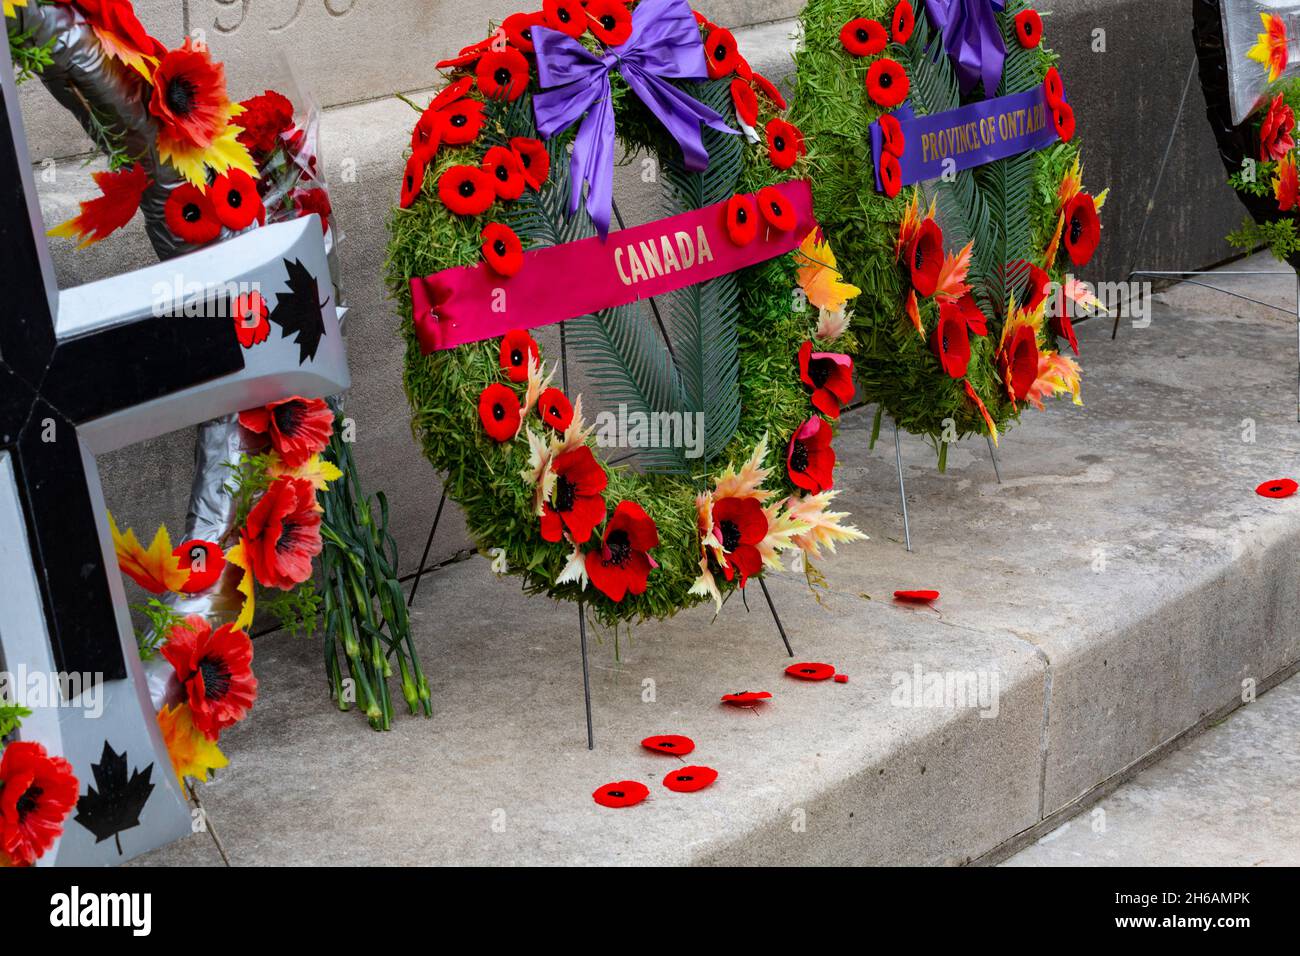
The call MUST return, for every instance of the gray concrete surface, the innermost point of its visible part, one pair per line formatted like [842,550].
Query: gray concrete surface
[1231,797]
[1121,583]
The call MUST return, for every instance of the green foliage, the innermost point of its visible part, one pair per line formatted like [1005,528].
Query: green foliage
[11,718]
[160,618]
[296,611]
[1278,237]
[29,57]
[249,479]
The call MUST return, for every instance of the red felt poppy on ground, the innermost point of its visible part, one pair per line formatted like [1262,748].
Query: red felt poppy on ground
[1277,488]
[519,29]
[1054,87]
[810,460]
[745,100]
[577,504]
[466,190]
[746,698]
[887,83]
[784,143]
[1082,229]
[1063,121]
[622,793]
[721,53]
[742,219]
[555,409]
[252,323]
[690,779]
[811,671]
[498,410]
[215,671]
[917,597]
[1018,362]
[768,89]
[534,160]
[502,74]
[740,524]
[517,347]
[37,793]
[412,180]
[891,131]
[297,427]
[674,744]
[1029,28]
[235,199]
[609,21]
[623,563]
[950,340]
[891,174]
[776,209]
[282,534]
[904,22]
[507,173]
[461,122]
[567,16]
[863,37]
[190,216]
[830,376]
[502,250]
[205,562]
[925,258]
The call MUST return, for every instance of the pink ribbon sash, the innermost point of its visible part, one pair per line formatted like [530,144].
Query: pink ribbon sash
[472,303]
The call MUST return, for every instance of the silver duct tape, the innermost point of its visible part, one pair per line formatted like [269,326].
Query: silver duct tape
[1248,79]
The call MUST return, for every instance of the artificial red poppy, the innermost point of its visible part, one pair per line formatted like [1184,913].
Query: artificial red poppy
[768,89]
[623,563]
[891,174]
[863,37]
[1277,488]
[703,21]
[841,678]
[517,347]
[1063,326]
[215,670]
[745,101]
[519,29]
[891,131]
[37,792]
[502,74]
[784,143]
[917,597]
[1054,87]
[742,219]
[950,342]
[205,562]
[810,461]
[555,409]
[1082,229]
[1029,28]
[1275,139]
[776,209]
[740,524]
[1063,121]
[690,779]
[502,250]
[904,22]
[811,671]
[534,160]
[746,698]
[235,200]
[887,83]
[412,180]
[297,427]
[609,21]
[190,216]
[1037,284]
[252,324]
[674,744]
[282,533]
[461,122]
[925,257]
[467,56]
[498,410]
[466,190]
[967,310]
[507,174]
[264,119]
[189,98]
[567,16]
[577,504]
[1018,362]
[622,793]
[830,376]
[720,53]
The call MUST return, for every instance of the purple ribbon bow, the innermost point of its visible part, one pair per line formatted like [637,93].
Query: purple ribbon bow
[973,39]
[665,44]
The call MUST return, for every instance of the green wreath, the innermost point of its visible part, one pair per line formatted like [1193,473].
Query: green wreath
[738,344]
[1015,214]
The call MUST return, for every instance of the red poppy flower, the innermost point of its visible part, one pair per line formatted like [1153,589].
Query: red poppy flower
[811,671]
[498,410]
[37,792]
[1029,28]
[190,216]
[517,347]
[1082,229]
[1275,139]
[891,131]
[235,199]
[746,698]
[674,744]
[739,525]
[904,22]
[215,669]
[776,209]
[623,793]
[784,143]
[1277,488]
[830,376]
[745,101]
[721,53]
[690,779]
[412,180]
[1018,362]
[519,29]
[461,122]
[1037,284]
[609,21]
[282,533]
[623,564]
[466,190]
[252,325]
[742,219]
[298,427]
[810,460]
[502,75]
[264,118]
[577,503]
[506,172]
[205,562]
[1063,121]
[555,409]
[502,250]
[887,83]
[969,312]
[917,597]
[189,98]
[925,257]
[534,160]
[1063,326]
[567,16]
[950,341]
[768,89]
[1054,87]
[863,37]
[891,174]
[467,56]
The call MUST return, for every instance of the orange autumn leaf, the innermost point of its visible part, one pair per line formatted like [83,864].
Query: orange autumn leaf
[914,313]
[156,569]
[979,403]
[1054,246]
[953,273]
[1057,375]
[119,198]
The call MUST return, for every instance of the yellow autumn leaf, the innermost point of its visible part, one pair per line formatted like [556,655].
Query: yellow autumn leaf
[156,568]
[819,276]
[239,559]
[224,153]
[192,754]
[12,5]
[315,469]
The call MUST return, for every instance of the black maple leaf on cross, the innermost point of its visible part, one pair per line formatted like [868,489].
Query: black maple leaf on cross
[117,804]
[298,313]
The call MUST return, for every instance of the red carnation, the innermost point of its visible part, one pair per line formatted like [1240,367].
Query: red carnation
[215,669]
[622,565]
[264,118]
[577,504]
[810,460]
[830,376]
[282,533]
[37,792]
[308,201]
[298,427]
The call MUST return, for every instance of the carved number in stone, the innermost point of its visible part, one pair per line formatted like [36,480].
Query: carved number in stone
[335,8]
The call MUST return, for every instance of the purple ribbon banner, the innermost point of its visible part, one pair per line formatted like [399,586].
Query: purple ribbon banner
[969,136]
[973,38]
